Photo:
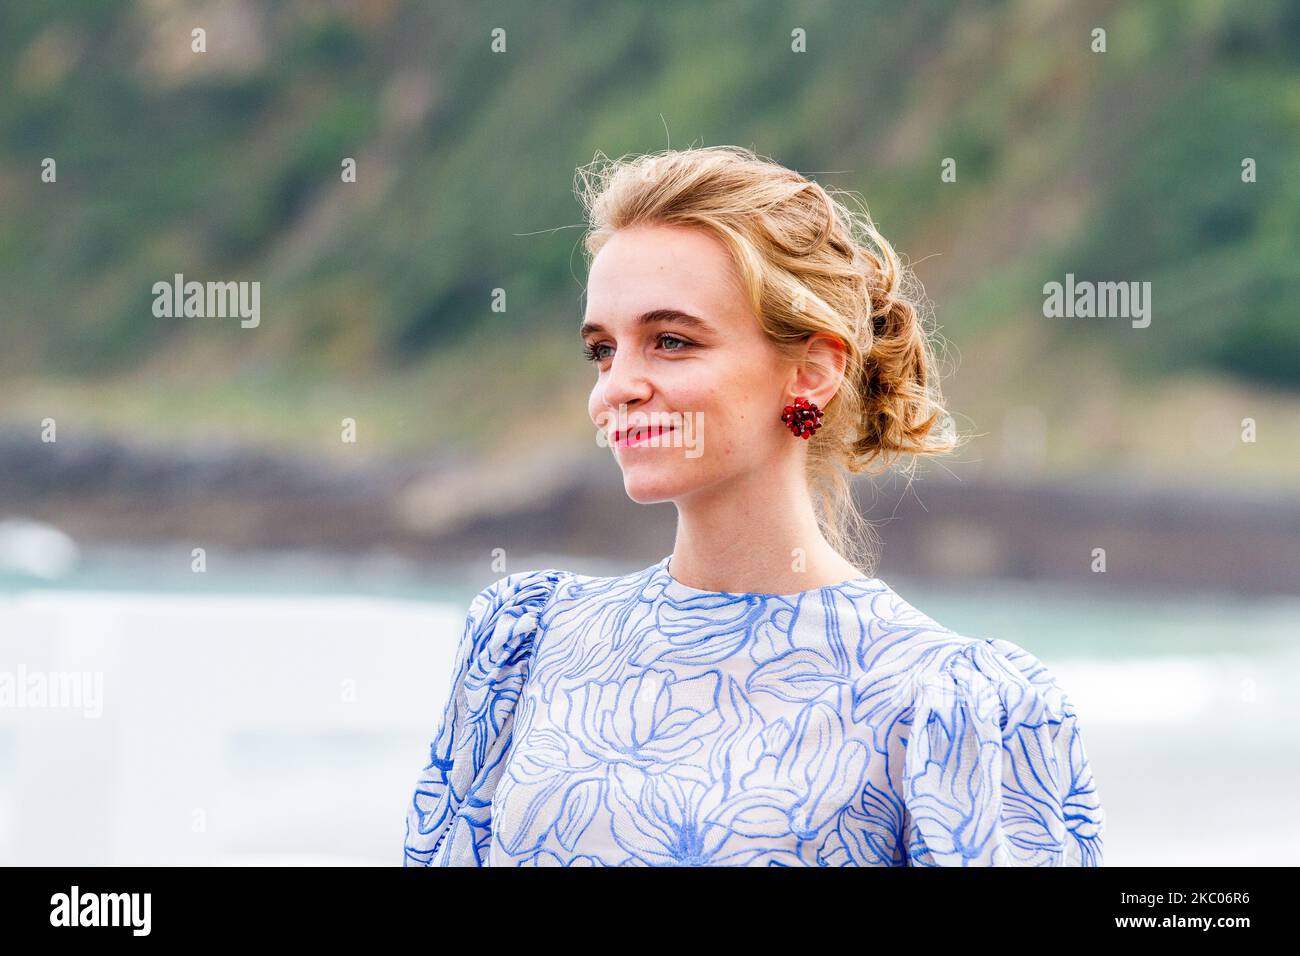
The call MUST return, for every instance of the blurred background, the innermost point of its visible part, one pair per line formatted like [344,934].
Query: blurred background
[252,548]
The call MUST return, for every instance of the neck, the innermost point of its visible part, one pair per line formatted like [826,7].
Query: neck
[757,533]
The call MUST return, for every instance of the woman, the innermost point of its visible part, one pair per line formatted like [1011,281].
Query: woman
[754,698]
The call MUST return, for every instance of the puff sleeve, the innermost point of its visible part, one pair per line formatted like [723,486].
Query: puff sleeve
[449,819]
[995,772]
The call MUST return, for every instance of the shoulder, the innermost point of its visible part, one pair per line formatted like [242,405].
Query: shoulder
[939,663]
[523,593]
[520,591]
[995,769]
[505,616]
[998,678]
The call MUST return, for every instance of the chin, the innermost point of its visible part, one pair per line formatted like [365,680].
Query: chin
[648,489]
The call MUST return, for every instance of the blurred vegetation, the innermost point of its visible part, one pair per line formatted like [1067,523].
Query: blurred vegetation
[377,295]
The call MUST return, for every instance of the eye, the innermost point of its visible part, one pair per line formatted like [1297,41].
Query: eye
[593,353]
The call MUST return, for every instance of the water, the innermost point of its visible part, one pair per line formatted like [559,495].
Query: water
[278,710]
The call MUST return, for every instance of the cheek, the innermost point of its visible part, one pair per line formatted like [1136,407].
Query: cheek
[736,417]
[734,428]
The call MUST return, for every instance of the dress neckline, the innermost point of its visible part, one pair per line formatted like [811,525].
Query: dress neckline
[672,584]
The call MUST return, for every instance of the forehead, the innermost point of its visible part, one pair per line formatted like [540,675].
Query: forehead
[647,267]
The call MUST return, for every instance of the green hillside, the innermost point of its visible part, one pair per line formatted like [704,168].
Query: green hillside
[376,295]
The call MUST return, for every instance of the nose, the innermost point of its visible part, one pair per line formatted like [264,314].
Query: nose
[625,382]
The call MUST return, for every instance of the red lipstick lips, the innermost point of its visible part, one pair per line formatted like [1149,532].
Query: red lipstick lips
[640,435]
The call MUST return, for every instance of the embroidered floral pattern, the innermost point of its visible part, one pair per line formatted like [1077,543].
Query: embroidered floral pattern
[635,721]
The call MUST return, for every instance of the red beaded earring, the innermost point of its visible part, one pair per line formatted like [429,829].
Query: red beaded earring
[803,417]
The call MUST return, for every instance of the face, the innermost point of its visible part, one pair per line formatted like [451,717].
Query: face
[677,348]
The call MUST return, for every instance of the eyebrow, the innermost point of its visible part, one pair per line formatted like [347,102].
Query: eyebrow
[653,317]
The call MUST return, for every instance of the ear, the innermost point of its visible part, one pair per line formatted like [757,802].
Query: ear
[819,374]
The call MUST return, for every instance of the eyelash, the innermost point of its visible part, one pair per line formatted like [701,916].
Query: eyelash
[589,351]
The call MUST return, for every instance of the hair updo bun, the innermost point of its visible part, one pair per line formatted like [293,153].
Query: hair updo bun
[809,264]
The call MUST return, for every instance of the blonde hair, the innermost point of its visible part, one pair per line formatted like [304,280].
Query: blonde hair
[808,264]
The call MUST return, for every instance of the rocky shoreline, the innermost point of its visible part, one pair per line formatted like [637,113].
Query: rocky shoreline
[103,490]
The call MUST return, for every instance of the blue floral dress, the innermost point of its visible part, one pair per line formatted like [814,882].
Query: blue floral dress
[637,721]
